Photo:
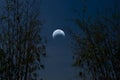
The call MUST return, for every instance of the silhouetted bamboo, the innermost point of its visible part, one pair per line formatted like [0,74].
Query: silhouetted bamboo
[20,41]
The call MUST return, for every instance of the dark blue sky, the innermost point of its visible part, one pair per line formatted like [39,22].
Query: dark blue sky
[59,14]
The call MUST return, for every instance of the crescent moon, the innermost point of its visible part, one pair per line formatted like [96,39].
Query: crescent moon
[58,32]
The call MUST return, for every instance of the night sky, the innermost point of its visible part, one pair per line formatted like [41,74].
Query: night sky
[59,14]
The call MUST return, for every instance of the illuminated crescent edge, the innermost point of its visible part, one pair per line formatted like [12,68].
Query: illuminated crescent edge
[58,32]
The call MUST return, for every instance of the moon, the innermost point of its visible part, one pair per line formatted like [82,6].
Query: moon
[58,32]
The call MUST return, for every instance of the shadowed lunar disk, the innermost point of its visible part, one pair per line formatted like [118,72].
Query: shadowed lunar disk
[58,32]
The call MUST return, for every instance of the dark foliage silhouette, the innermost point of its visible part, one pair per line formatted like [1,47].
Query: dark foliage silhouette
[21,45]
[96,50]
